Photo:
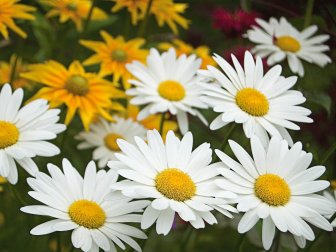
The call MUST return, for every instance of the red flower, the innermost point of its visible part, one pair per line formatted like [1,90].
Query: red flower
[233,23]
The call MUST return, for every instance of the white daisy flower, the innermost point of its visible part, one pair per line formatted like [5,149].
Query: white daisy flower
[332,198]
[24,133]
[95,214]
[178,180]
[103,137]
[262,103]
[278,40]
[167,83]
[275,185]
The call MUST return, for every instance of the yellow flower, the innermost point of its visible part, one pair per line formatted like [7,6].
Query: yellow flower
[6,71]
[10,9]
[76,10]
[152,121]
[137,8]
[114,54]
[2,180]
[78,90]
[184,48]
[166,11]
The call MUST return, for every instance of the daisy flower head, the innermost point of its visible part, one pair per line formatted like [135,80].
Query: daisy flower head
[10,10]
[276,185]
[202,52]
[177,179]
[262,103]
[96,215]
[113,54]
[89,93]
[75,10]
[103,137]
[278,39]
[24,133]
[167,84]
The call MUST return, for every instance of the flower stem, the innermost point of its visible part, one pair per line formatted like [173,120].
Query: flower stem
[225,140]
[162,123]
[186,239]
[88,18]
[309,13]
[328,153]
[318,236]
[13,72]
[240,242]
[143,25]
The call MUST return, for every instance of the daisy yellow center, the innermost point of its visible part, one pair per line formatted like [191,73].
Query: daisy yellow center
[87,214]
[119,55]
[111,141]
[175,184]
[9,134]
[288,43]
[252,102]
[272,189]
[171,90]
[77,85]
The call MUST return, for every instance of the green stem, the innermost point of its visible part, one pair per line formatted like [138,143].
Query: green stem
[143,25]
[277,241]
[318,236]
[12,76]
[328,153]
[309,13]
[225,140]
[163,116]
[88,18]
[59,242]
[17,195]
[240,242]
[186,239]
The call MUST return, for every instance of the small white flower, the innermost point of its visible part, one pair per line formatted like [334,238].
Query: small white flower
[278,40]
[167,83]
[103,137]
[86,206]
[178,180]
[262,103]
[275,185]
[24,133]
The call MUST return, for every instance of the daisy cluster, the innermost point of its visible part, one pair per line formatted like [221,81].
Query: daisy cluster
[136,118]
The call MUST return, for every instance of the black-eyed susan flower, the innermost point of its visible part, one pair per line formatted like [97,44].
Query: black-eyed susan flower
[152,121]
[24,133]
[86,206]
[135,7]
[103,137]
[261,102]
[202,52]
[89,93]
[113,54]
[10,73]
[10,10]
[276,185]
[75,10]
[165,12]
[168,12]
[278,39]
[177,179]
[168,84]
